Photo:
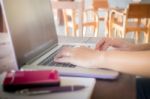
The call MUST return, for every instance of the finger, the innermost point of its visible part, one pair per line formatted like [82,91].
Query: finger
[62,59]
[105,46]
[64,52]
[100,43]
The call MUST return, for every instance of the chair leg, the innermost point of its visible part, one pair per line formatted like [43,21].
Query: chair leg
[84,31]
[110,31]
[96,30]
[123,34]
[106,23]
[137,35]
[66,30]
[146,37]
[120,34]
[116,33]
[110,25]
[74,31]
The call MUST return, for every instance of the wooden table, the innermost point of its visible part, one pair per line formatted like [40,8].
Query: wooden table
[122,88]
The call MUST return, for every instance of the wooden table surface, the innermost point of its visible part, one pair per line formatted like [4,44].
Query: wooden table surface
[121,88]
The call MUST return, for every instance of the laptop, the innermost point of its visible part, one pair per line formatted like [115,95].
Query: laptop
[35,41]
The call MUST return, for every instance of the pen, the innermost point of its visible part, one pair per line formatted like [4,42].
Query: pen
[46,90]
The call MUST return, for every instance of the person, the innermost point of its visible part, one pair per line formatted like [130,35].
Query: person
[127,58]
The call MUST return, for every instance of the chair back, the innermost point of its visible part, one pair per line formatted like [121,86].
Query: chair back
[138,10]
[74,6]
[97,4]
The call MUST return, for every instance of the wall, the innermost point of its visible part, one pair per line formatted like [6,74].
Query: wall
[145,1]
[119,3]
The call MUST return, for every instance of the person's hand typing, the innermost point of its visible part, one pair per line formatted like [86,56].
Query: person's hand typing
[81,56]
[118,44]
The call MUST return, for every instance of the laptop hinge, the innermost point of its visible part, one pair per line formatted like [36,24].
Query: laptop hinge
[41,54]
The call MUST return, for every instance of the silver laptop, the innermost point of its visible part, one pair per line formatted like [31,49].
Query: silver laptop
[34,38]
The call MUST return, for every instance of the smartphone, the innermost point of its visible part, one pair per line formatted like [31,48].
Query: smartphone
[18,80]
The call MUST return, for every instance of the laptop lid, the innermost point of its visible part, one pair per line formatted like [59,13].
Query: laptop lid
[31,26]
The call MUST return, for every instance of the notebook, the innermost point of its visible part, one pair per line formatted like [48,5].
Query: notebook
[35,41]
[65,81]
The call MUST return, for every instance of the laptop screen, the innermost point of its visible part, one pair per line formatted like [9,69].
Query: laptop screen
[32,28]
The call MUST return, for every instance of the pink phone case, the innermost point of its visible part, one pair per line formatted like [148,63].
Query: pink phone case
[18,80]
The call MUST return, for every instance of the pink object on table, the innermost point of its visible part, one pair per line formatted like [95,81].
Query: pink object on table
[17,80]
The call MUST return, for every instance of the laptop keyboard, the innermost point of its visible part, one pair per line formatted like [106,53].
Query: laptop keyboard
[49,61]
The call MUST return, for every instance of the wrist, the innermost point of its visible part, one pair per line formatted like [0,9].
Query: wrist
[102,59]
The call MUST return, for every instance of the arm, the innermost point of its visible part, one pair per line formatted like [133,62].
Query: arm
[123,61]
[142,47]
[128,59]
[121,45]
[131,58]
[137,63]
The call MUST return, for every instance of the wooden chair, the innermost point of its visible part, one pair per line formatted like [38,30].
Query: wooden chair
[76,8]
[60,18]
[100,6]
[92,17]
[90,23]
[136,18]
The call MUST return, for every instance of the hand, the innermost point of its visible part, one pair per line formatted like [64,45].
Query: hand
[81,56]
[118,44]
